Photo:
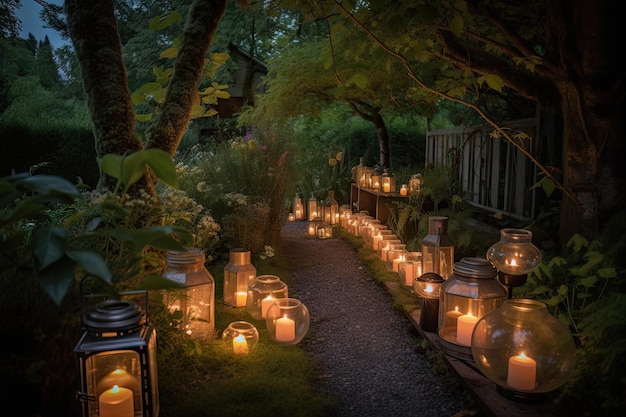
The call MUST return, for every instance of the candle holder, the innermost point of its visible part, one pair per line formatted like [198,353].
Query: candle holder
[438,248]
[514,256]
[415,183]
[410,268]
[241,336]
[523,349]
[428,287]
[116,359]
[471,292]
[195,296]
[288,321]
[396,254]
[312,208]
[262,293]
[388,182]
[298,207]
[239,274]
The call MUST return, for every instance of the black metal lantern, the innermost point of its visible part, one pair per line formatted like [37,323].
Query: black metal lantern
[117,363]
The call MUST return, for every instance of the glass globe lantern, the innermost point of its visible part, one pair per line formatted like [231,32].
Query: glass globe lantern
[467,295]
[117,361]
[239,274]
[195,297]
[265,290]
[242,336]
[438,248]
[523,349]
[514,255]
[428,287]
[288,321]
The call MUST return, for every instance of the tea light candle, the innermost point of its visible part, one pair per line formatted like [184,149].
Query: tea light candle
[285,329]
[240,345]
[291,217]
[116,402]
[464,328]
[522,372]
[241,297]
[266,303]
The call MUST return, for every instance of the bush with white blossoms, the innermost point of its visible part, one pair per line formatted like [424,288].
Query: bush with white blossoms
[268,252]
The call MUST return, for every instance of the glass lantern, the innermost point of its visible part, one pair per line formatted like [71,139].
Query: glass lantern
[298,206]
[376,179]
[239,274]
[428,287]
[312,208]
[415,183]
[323,230]
[265,290]
[395,255]
[378,234]
[467,295]
[410,268]
[404,190]
[385,246]
[117,361]
[195,297]
[331,212]
[388,182]
[438,248]
[288,321]
[523,349]
[241,336]
[514,255]
[345,212]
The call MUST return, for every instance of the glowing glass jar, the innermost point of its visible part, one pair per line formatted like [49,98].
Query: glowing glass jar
[438,248]
[298,207]
[415,183]
[288,321]
[375,179]
[388,182]
[331,213]
[241,336]
[312,208]
[239,274]
[386,245]
[410,268]
[523,349]
[265,290]
[468,294]
[195,300]
[395,255]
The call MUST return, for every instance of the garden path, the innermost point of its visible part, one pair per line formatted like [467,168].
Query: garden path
[368,349]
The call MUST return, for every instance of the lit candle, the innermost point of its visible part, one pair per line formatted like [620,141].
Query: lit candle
[121,378]
[311,229]
[242,297]
[452,316]
[265,304]
[396,262]
[291,217]
[408,273]
[403,190]
[116,402]
[240,345]
[522,372]
[285,329]
[464,328]
[386,187]
[377,238]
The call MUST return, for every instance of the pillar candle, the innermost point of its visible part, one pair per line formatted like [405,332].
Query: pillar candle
[464,328]
[240,345]
[452,316]
[241,297]
[408,273]
[116,402]
[522,372]
[396,262]
[265,304]
[311,229]
[285,329]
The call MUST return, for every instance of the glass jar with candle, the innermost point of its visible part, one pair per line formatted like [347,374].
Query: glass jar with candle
[196,297]
[415,183]
[312,208]
[288,321]
[241,337]
[239,274]
[410,268]
[388,182]
[467,295]
[377,234]
[395,255]
[386,245]
[523,349]
[263,292]
[298,207]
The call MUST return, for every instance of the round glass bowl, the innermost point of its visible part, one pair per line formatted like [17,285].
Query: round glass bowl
[287,321]
[241,336]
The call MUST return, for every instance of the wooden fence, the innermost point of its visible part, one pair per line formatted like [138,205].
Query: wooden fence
[494,174]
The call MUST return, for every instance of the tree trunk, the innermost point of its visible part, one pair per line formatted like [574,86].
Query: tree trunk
[94,33]
[383,140]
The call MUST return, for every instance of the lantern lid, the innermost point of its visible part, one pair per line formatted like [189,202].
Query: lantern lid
[431,277]
[474,267]
[113,315]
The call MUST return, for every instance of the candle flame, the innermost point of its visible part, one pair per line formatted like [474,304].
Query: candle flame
[115,389]
[523,355]
[429,288]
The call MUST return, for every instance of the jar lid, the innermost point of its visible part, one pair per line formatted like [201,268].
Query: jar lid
[113,314]
[474,267]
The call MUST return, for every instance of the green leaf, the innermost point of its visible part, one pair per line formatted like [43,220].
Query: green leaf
[133,168]
[493,81]
[157,282]
[56,279]
[169,53]
[48,245]
[161,163]
[50,185]
[456,25]
[163,21]
[111,164]
[93,263]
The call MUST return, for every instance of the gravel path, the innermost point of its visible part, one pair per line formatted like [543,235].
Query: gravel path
[365,346]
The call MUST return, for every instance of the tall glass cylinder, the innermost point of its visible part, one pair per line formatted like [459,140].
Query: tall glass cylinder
[239,274]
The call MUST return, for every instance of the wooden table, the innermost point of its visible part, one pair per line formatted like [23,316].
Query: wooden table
[376,203]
